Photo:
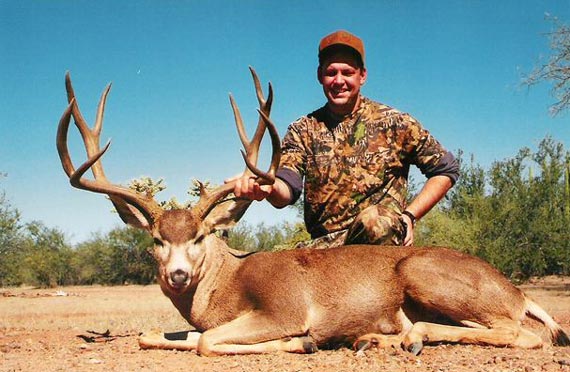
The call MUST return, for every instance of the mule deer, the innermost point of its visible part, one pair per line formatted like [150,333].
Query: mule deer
[299,300]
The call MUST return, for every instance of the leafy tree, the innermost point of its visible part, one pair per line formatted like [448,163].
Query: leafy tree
[10,243]
[132,261]
[48,257]
[455,222]
[119,257]
[514,215]
[267,237]
[526,237]
[242,237]
[93,261]
[294,233]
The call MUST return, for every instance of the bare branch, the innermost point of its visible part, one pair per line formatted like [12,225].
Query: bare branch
[557,70]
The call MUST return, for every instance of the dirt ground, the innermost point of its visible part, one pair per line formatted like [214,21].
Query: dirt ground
[96,329]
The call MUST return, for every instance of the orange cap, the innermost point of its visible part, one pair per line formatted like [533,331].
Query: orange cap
[343,37]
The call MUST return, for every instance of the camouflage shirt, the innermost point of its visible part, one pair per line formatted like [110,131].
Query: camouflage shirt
[357,161]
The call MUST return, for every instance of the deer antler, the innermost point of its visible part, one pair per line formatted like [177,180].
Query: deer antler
[252,148]
[124,198]
[209,199]
[145,204]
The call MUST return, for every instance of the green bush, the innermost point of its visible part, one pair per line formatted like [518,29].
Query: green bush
[515,215]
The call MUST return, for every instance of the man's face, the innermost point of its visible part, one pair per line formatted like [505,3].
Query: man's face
[341,79]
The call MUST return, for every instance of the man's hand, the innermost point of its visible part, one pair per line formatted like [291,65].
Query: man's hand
[409,238]
[247,187]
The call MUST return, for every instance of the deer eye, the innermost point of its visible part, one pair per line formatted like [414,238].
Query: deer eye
[158,242]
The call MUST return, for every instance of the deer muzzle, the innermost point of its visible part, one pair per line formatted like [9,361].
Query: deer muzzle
[179,278]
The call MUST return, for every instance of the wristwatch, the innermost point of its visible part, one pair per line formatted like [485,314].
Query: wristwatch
[411,215]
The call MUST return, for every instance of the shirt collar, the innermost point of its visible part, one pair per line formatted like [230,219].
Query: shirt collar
[337,119]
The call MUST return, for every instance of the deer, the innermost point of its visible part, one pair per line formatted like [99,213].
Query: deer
[301,300]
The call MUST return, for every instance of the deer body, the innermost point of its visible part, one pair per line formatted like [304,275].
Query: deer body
[318,298]
[330,297]
[299,300]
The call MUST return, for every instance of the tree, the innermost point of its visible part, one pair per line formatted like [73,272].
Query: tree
[557,69]
[456,222]
[10,243]
[516,215]
[93,261]
[132,261]
[119,257]
[47,257]
[241,237]
[268,237]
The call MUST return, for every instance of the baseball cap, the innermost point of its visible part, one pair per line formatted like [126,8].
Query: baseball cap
[342,37]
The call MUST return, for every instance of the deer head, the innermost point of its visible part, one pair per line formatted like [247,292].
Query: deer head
[181,237]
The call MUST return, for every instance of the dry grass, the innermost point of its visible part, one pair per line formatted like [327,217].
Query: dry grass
[122,309]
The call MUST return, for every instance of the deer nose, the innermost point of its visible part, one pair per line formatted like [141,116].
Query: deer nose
[179,277]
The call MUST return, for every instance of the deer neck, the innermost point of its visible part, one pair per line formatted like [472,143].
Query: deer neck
[216,272]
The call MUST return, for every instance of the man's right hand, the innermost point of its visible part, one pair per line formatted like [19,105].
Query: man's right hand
[278,194]
[247,187]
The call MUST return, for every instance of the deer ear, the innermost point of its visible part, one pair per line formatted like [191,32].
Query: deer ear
[226,214]
[129,214]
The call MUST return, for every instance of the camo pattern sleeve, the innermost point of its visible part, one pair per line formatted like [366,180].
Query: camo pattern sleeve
[358,161]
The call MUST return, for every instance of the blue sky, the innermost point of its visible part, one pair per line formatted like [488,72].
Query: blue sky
[454,65]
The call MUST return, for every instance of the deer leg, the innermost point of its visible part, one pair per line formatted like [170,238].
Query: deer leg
[170,341]
[528,340]
[503,333]
[300,345]
[254,333]
[384,341]
[379,341]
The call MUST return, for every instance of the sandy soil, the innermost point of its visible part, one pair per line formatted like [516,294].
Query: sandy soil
[96,329]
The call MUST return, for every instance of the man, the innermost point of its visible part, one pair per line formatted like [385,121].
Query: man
[352,158]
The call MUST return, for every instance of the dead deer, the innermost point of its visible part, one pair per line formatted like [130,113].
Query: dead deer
[300,300]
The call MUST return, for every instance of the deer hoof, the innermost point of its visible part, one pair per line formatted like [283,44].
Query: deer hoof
[366,342]
[309,346]
[361,345]
[415,348]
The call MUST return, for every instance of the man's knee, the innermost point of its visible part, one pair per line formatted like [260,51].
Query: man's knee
[376,225]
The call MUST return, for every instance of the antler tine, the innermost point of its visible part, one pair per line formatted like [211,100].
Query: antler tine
[252,147]
[239,123]
[90,136]
[61,140]
[267,178]
[259,92]
[144,203]
[208,200]
[265,106]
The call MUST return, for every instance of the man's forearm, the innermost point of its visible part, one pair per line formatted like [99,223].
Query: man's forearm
[433,191]
[280,195]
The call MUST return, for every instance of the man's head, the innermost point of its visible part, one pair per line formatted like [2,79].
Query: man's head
[341,71]
[342,40]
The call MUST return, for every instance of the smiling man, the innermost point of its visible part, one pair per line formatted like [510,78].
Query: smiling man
[352,158]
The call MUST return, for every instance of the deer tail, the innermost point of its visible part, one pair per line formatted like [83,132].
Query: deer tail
[557,334]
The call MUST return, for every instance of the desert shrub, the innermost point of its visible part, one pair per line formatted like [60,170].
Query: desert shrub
[516,215]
